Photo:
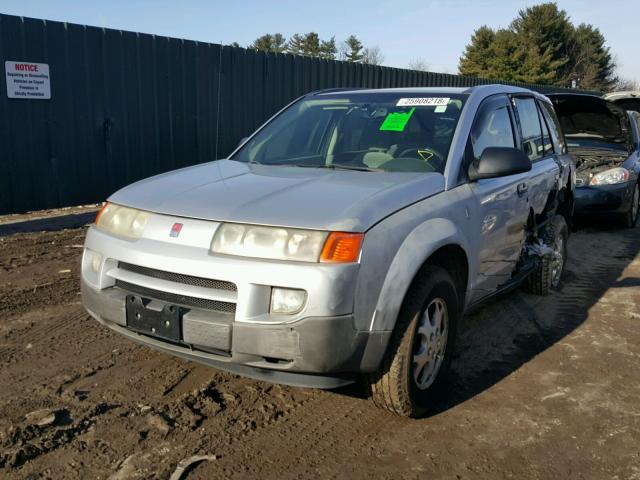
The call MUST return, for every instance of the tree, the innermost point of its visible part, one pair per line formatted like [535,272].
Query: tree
[351,50]
[625,84]
[543,35]
[234,44]
[311,45]
[328,49]
[276,43]
[372,56]
[592,65]
[419,64]
[541,45]
[296,44]
[477,55]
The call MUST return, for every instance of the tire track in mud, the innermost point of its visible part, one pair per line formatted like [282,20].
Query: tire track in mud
[312,431]
[22,300]
[44,331]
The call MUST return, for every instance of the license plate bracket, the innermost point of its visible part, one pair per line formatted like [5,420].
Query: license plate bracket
[165,323]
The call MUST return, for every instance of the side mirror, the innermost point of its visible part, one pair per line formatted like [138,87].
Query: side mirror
[499,162]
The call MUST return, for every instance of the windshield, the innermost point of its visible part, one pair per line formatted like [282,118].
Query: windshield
[389,132]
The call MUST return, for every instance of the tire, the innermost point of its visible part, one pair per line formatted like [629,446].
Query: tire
[630,219]
[547,276]
[400,385]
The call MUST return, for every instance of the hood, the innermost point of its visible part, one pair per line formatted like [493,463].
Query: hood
[627,100]
[588,116]
[226,190]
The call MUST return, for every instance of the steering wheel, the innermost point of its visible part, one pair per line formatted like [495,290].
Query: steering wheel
[424,153]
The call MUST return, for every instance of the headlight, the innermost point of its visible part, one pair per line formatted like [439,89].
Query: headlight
[122,221]
[610,177]
[286,243]
[268,242]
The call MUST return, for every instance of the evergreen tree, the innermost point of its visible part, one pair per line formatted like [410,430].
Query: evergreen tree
[270,43]
[296,44]
[328,49]
[352,49]
[591,65]
[544,35]
[477,55]
[311,45]
[541,46]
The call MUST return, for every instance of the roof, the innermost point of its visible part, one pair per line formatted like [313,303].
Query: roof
[488,89]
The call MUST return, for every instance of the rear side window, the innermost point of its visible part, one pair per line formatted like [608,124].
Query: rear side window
[554,125]
[492,127]
[532,142]
[546,136]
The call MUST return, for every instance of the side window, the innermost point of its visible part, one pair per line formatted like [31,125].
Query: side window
[532,142]
[554,125]
[491,128]
[546,136]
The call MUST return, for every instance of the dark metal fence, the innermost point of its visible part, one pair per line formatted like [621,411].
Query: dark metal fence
[126,105]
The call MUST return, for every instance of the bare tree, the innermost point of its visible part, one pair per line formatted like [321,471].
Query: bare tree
[419,64]
[626,84]
[372,56]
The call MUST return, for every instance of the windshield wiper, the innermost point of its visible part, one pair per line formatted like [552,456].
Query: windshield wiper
[338,166]
[342,166]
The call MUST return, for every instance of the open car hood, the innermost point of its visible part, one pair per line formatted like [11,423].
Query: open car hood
[589,116]
[628,100]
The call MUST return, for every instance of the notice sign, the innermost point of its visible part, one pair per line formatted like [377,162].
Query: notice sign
[28,80]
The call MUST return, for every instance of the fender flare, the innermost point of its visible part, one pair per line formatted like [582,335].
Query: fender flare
[414,251]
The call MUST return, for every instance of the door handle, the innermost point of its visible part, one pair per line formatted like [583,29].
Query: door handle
[522,188]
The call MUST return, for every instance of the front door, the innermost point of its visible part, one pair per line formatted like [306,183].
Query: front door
[502,203]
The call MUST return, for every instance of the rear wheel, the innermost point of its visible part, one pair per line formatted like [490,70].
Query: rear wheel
[630,218]
[548,275]
[413,372]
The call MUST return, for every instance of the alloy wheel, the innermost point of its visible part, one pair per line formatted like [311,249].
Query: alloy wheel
[431,343]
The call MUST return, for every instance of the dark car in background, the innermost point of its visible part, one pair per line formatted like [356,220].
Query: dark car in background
[604,140]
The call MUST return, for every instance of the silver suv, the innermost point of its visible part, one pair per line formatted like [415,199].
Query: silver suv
[343,240]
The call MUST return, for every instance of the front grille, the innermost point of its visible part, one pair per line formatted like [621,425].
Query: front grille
[203,303]
[178,277]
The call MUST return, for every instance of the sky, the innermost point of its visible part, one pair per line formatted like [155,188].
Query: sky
[435,31]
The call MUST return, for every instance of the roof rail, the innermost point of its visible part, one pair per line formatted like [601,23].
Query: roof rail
[332,90]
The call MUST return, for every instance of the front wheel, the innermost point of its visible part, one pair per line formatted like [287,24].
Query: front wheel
[412,375]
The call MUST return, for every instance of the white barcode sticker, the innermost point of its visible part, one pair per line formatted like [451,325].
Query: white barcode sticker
[423,102]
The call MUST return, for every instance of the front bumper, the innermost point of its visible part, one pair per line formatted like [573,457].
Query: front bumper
[320,352]
[603,199]
[318,347]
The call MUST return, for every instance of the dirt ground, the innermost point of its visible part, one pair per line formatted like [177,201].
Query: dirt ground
[541,388]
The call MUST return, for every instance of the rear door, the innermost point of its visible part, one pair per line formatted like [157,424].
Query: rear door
[535,141]
[502,202]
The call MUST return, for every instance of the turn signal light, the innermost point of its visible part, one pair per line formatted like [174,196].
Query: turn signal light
[104,206]
[342,247]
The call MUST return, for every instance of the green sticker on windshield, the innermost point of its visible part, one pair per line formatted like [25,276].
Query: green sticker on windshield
[396,121]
